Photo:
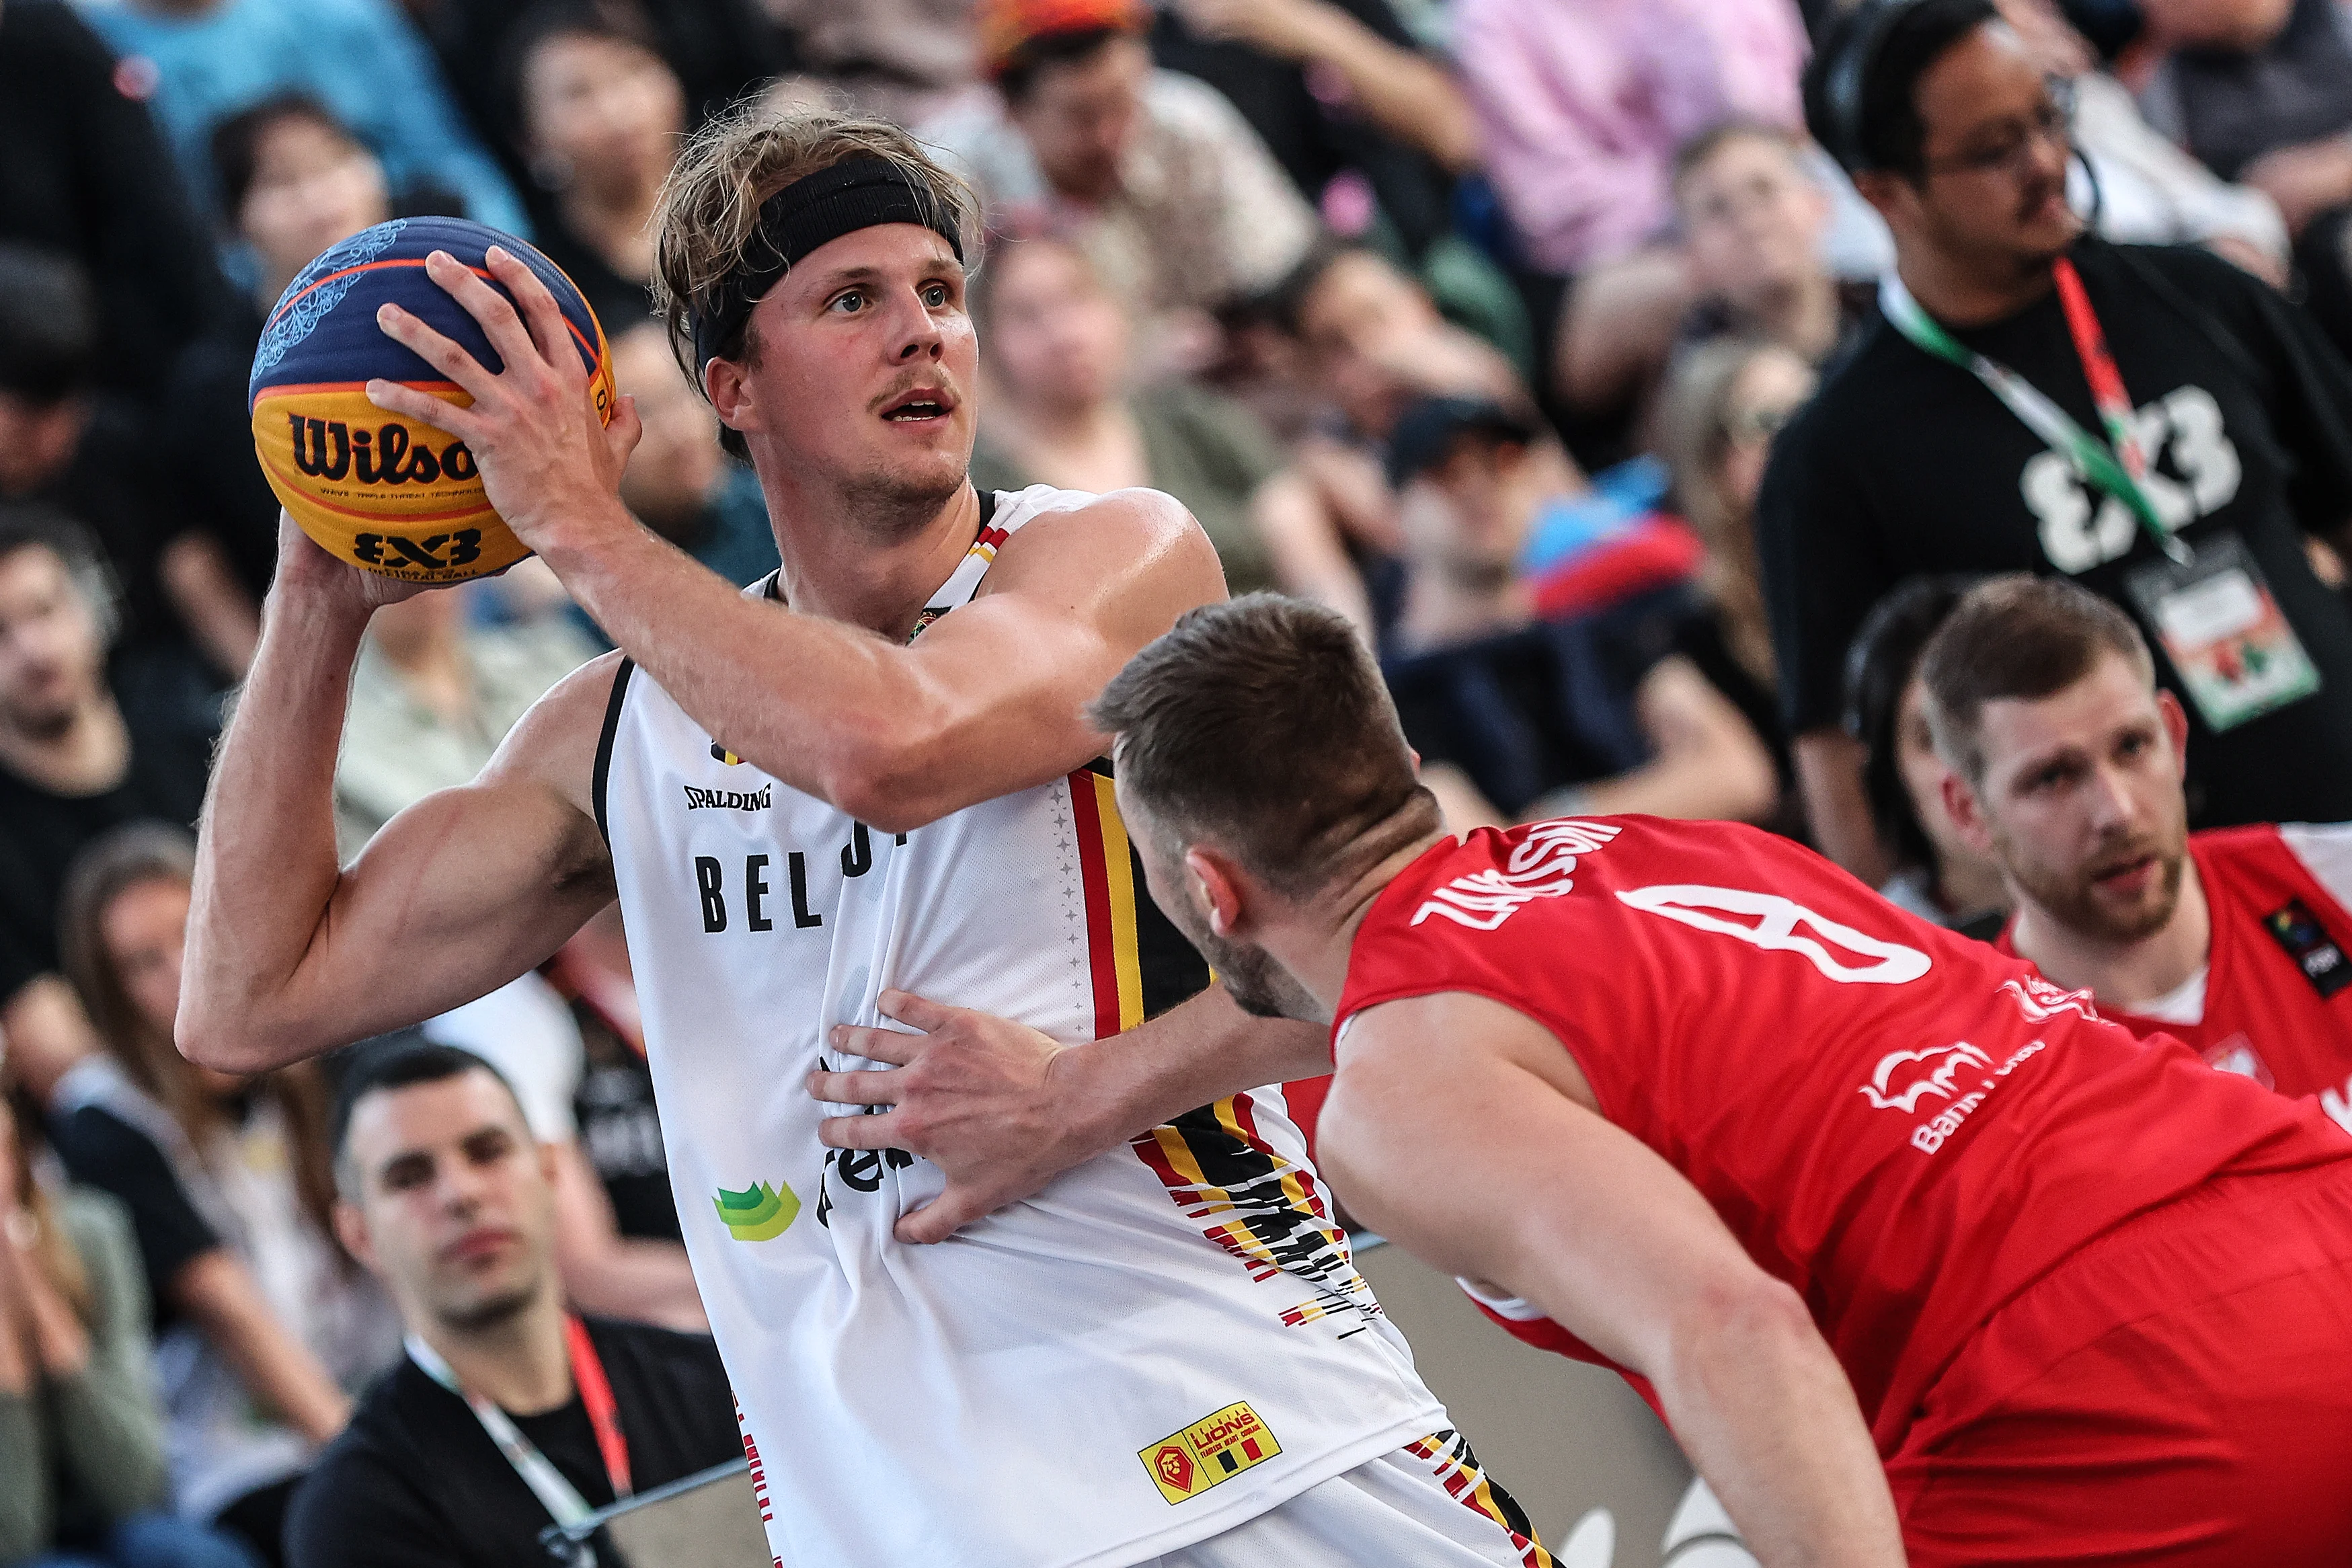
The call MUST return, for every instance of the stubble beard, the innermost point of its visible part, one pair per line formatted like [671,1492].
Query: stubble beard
[888,507]
[2075,905]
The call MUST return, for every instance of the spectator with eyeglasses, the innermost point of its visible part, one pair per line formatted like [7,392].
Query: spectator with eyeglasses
[2152,422]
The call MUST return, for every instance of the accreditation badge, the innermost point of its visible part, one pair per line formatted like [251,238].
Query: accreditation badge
[2237,656]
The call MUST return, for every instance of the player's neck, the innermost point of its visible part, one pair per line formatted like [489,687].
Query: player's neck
[521,1363]
[1969,291]
[2127,975]
[843,568]
[1322,965]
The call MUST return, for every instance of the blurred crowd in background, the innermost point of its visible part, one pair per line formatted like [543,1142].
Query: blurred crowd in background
[1477,320]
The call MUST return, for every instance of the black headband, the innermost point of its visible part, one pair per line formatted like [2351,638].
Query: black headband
[857,193]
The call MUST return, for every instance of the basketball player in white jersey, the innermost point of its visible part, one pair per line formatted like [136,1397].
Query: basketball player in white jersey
[868,775]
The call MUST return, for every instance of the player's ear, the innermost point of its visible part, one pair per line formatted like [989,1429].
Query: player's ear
[1215,885]
[730,395]
[2176,725]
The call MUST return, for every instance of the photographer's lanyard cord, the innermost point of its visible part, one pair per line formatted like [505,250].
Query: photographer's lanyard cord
[2114,465]
[558,1496]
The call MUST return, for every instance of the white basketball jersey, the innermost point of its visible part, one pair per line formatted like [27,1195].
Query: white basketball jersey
[1168,1340]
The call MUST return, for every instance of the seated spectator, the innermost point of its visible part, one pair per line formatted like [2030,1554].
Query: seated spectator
[198,61]
[293,181]
[1722,406]
[719,50]
[432,696]
[679,483]
[2140,187]
[186,625]
[82,1477]
[74,763]
[445,1197]
[1518,717]
[1753,214]
[1374,342]
[1158,176]
[2066,765]
[1582,108]
[2260,90]
[1362,342]
[598,114]
[88,179]
[1061,412]
[262,1324]
[1936,876]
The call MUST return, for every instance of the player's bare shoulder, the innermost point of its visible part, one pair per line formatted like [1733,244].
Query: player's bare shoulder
[1135,552]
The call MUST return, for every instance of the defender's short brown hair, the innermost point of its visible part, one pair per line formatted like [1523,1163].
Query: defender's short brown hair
[710,205]
[2016,638]
[1261,724]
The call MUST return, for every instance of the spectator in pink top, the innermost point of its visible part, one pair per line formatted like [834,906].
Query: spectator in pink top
[1581,104]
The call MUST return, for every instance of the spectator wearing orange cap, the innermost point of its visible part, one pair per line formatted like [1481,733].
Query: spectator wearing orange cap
[1161,182]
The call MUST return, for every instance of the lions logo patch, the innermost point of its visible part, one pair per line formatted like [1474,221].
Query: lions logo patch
[1214,1448]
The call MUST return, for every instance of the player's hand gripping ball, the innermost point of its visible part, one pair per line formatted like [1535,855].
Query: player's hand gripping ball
[372,488]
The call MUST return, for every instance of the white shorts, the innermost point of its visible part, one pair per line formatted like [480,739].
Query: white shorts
[1428,1503]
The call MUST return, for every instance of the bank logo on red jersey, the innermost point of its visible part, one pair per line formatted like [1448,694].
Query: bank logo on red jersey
[1538,868]
[1904,1076]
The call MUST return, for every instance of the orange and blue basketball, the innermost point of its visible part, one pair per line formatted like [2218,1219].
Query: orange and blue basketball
[373,488]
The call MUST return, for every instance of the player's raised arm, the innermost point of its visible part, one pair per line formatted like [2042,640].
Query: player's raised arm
[985,701]
[1448,1131]
[829,696]
[289,953]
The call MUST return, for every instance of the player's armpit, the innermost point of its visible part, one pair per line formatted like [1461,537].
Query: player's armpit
[1462,1130]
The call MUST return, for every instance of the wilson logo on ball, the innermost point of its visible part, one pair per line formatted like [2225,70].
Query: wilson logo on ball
[390,494]
[328,449]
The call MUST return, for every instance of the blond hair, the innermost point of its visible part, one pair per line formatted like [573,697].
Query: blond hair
[710,205]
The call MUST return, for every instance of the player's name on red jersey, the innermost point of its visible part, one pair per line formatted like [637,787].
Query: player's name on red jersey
[2277,996]
[1905,1124]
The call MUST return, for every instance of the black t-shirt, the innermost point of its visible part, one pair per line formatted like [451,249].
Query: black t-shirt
[620,1132]
[414,1482]
[100,1150]
[40,834]
[1542,708]
[1905,464]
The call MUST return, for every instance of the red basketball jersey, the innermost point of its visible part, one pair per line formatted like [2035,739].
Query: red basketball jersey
[2278,984]
[1905,1124]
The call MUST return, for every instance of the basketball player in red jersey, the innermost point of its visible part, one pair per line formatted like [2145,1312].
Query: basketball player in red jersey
[2068,762]
[1687,1099]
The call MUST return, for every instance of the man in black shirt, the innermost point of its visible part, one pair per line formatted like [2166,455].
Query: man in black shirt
[73,764]
[1911,462]
[507,1410]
